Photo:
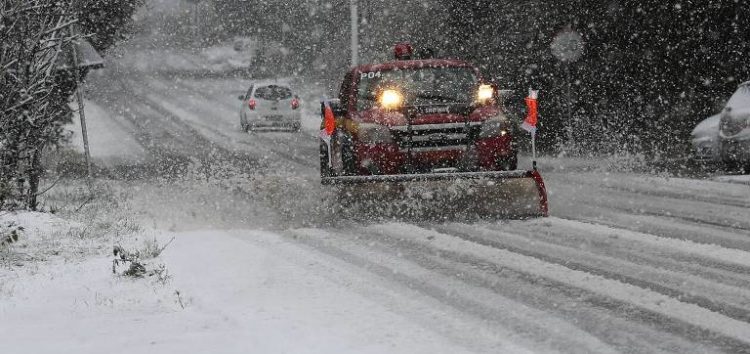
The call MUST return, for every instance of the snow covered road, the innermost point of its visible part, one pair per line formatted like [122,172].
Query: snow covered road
[627,262]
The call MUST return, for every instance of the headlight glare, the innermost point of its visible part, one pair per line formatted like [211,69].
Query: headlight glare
[391,99]
[485,93]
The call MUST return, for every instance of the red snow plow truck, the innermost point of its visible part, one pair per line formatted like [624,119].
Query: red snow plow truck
[428,132]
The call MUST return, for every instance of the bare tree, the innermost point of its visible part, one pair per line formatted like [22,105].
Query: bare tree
[33,94]
[32,34]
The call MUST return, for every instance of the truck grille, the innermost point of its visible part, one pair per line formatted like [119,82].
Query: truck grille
[436,137]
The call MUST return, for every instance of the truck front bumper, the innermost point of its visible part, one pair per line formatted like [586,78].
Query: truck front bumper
[482,155]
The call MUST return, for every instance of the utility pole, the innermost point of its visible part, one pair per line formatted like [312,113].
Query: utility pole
[81,114]
[569,97]
[80,54]
[354,16]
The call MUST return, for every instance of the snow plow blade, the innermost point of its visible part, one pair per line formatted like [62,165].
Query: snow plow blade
[507,193]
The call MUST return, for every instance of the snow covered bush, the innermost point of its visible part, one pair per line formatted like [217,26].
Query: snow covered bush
[10,232]
[133,263]
[34,94]
[32,34]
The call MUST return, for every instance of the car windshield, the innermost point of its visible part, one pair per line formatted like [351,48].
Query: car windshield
[273,93]
[421,86]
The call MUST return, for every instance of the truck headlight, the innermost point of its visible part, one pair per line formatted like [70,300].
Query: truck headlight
[369,133]
[494,127]
[391,99]
[485,93]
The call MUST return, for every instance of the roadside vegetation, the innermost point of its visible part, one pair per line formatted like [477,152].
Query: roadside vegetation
[74,218]
[35,89]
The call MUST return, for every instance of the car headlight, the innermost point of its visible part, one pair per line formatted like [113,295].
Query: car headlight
[494,127]
[369,133]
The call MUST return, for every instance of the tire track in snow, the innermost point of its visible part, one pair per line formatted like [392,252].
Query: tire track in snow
[178,137]
[735,333]
[268,146]
[309,141]
[678,196]
[726,225]
[681,189]
[439,281]
[293,284]
[375,280]
[667,227]
[597,194]
[717,253]
[256,141]
[620,324]
[291,157]
[706,191]
[611,245]
[666,282]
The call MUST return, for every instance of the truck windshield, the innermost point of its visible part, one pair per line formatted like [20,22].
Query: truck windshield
[421,86]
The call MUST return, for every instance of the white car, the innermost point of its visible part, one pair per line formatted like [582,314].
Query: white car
[734,129]
[706,139]
[270,106]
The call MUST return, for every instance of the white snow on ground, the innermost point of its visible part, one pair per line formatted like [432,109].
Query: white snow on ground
[237,297]
[110,137]
[273,293]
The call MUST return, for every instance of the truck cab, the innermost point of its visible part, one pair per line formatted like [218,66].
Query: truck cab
[416,115]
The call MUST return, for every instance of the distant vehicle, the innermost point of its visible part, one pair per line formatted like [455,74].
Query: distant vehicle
[270,106]
[705,139]
[734,130]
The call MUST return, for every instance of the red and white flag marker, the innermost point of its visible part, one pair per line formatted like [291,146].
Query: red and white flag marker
[532,116]
[329,125]
[529,124]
